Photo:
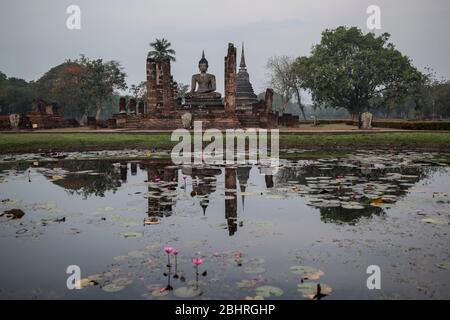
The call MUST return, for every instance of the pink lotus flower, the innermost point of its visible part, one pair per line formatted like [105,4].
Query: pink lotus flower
[174,252]
[197,261]
[168,250]
[157,179]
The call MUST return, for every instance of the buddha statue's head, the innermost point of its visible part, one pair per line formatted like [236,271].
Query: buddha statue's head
[203,63]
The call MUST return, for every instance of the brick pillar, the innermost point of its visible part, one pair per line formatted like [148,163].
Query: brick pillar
[167,90]
[230,80]
[152,82]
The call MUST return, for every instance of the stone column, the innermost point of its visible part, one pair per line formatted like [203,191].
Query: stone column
[122,105]
[230,80]
[141,107]
[133,106]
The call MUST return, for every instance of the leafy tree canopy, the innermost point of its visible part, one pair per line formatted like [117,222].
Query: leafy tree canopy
[350,69]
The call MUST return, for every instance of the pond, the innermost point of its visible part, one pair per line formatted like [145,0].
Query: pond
[254,236]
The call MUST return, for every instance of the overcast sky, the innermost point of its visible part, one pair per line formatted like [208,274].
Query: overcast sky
[34,36]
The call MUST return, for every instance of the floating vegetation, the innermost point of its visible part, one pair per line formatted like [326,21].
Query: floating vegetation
[307,273]
[113,287]
[187,292]
[131,234]
[309,290]
[269,291]
[444,265]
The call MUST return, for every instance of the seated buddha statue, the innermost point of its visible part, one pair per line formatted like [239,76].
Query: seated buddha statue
[203,86]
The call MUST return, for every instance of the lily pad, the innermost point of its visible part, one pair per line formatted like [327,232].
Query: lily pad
[187,292]
[131,234]
[122,281]
[444,265]
[87,282]
[269,291]
[307,272]
[352,206]
[160,292]
[439,221]
[113,287]
[309,289]
[247,283]
[254,298]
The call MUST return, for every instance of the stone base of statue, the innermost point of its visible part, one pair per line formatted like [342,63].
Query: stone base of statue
[203,100]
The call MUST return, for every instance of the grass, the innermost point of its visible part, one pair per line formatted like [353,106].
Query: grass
[35,142]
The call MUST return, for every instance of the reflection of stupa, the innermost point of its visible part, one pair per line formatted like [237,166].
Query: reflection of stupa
[243,174]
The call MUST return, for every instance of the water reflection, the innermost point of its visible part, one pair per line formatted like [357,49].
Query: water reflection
[343,191]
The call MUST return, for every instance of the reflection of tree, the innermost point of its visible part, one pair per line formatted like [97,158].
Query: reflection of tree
[104,177]
[341,215]
[363,173]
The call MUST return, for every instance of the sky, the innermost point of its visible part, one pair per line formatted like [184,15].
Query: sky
[34,36]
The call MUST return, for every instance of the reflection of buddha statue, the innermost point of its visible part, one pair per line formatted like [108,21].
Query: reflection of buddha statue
[203,86]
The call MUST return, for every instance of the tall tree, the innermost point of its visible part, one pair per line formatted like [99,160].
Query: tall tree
[161,50]
[286,80]
[350,69]
[100,80]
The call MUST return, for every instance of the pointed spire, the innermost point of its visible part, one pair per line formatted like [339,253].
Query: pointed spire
[203,59]
[242,65]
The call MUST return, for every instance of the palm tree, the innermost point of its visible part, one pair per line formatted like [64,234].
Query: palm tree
[161,50]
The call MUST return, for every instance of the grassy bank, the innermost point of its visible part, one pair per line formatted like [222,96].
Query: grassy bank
[36,142]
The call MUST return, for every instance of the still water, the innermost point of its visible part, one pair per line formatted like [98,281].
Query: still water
[259,236]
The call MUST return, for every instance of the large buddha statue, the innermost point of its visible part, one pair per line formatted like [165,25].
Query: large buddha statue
[203,86]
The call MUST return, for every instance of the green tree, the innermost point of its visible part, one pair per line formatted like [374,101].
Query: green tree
[83,85]
[15,95]
[357,71]
[99,82]
[161,50]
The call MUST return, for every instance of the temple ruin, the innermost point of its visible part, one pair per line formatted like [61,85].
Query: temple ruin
[164,109]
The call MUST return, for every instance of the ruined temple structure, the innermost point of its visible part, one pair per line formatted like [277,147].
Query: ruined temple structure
[164,109]
[245,96]
[43,115]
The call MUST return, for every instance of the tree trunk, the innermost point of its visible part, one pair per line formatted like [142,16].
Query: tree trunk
[300,105]
[98,112]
